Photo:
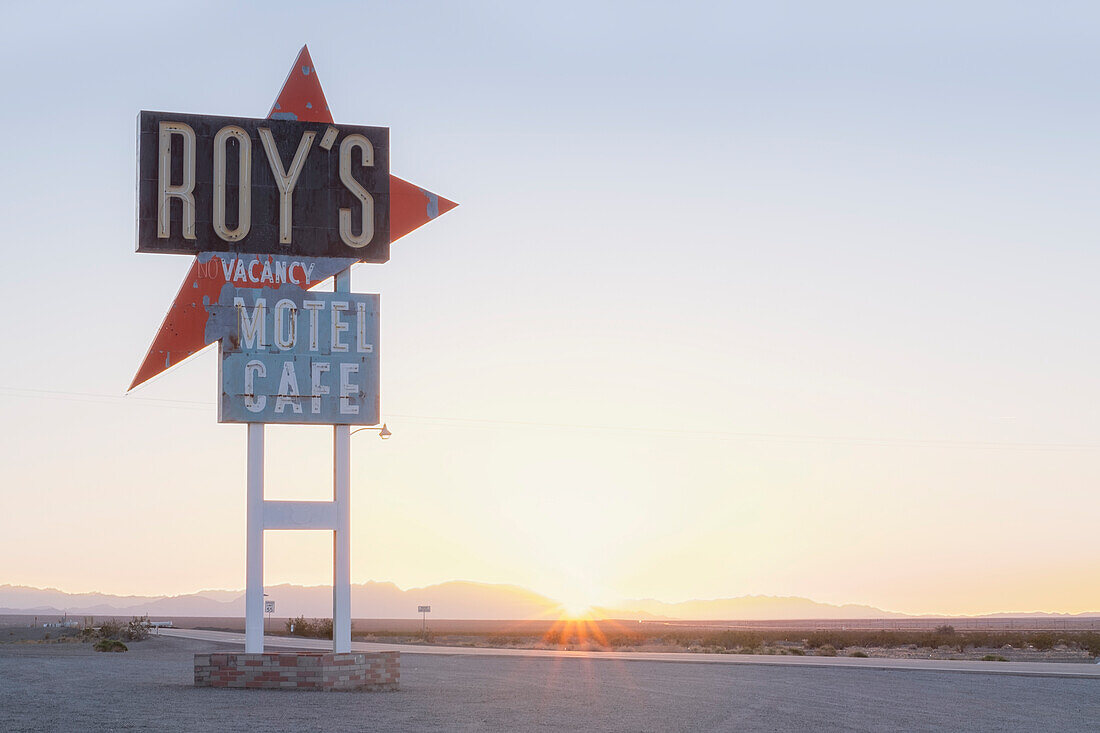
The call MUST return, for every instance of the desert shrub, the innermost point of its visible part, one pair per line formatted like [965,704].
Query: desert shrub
[498,639]
[109,645]
[315,629]
[945,629]
[826,650]
[297,626]
[859,653]
[109,629]
[136,630]
[735,640]
[1089,641]
[618,639]
[994,658]
[1044,640]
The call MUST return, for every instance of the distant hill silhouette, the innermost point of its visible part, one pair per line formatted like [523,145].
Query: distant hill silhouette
[455,600]
[774,608]
[452,600]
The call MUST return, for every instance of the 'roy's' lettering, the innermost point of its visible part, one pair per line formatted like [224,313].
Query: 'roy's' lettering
[286,178]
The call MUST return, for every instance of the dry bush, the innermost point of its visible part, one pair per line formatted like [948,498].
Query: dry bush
[315,629]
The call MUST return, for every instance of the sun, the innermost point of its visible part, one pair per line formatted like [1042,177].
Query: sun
[576,610]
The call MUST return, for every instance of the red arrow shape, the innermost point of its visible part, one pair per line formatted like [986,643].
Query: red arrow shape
[182,333]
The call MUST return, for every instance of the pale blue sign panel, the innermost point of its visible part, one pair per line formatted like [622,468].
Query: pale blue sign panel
[297,357]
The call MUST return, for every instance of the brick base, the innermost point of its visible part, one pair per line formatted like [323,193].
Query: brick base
[350,671]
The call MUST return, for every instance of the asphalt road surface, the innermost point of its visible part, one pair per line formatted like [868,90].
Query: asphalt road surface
[49,687]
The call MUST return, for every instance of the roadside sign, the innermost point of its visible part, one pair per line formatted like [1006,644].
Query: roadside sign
[424,611]
[236,184]
[295,357]
[269,209]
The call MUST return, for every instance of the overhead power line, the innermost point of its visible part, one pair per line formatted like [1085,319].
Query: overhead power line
[488,423]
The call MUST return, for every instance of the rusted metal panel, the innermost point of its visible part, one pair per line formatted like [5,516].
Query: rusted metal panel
[294,357]
[184,332]
[234,184]
[301,97]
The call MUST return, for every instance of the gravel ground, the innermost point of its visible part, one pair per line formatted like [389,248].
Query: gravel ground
[68,687]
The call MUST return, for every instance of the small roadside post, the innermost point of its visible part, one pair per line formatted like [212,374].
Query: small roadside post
[424,611]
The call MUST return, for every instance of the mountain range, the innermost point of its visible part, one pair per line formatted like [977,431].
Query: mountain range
[451,600]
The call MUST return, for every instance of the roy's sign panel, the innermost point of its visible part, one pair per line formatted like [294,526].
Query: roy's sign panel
[289,356]
[270,186]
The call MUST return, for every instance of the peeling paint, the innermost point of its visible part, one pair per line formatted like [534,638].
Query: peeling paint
[184,329]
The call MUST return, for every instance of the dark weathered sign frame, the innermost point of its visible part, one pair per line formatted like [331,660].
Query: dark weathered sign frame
[341,186]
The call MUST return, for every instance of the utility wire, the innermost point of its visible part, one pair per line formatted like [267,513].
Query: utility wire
[463,422]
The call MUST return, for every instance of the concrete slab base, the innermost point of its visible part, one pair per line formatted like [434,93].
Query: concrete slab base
[329,671]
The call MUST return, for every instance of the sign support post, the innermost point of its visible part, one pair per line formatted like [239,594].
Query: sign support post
[254,573]
[341,536]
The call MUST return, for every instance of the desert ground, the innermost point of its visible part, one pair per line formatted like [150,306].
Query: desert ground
[67,686]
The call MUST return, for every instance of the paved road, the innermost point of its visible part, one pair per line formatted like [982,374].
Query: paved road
[1035,669]
[68,687]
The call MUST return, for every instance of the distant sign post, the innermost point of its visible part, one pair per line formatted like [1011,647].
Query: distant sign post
[269,609]
[270,208]
[424,611]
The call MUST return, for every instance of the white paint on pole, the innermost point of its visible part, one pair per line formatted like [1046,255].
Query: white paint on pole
[341,537]
[300,515]
[254,561]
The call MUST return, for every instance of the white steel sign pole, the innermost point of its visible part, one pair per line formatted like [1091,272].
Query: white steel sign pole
[341,536]
[254,560]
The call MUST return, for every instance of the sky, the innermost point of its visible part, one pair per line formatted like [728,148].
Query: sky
[740,298]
